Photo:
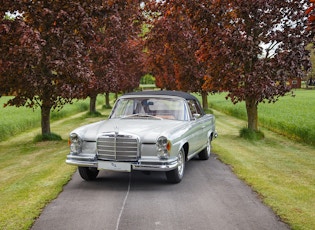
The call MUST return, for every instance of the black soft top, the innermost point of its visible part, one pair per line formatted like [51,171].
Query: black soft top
[181,94]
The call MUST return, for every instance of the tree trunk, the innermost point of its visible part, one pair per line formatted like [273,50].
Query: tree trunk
[107,104]
[252,114]
[93,103]
[45,118]
[204,96]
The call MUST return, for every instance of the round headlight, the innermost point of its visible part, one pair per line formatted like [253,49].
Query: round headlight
[75,143]
[161,142]
[163,146]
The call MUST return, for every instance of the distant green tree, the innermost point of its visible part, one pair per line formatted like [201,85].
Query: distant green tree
[311,73]
[147,79]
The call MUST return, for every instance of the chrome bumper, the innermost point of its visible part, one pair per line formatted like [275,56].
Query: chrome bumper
[141,165]
[158,166]
[86,160]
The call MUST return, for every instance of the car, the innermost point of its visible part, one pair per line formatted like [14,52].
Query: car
[146,131]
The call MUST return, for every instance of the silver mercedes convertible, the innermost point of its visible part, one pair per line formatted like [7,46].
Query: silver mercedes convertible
[146,131]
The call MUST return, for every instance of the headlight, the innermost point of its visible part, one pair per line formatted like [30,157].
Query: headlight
[163,146]
[75,143]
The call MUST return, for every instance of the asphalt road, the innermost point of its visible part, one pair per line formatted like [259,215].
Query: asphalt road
[209,197]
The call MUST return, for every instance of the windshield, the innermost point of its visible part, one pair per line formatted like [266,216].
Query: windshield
[160,108]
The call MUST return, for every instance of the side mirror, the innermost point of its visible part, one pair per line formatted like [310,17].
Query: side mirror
[196,115]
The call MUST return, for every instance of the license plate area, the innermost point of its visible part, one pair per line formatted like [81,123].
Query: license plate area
[114,166]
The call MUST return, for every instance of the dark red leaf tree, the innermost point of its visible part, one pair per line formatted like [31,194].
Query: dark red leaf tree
[310,12]
[117,51]
[43,54]
[251,48]
[171,46]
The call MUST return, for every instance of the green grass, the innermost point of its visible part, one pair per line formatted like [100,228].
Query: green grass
[47,137]
[31,176]
[15,120]
[279,170]
[293,117]
[33,173]
[251,135]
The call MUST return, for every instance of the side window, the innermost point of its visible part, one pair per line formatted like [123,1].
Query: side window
[195,108]
[192,107]
[199,108]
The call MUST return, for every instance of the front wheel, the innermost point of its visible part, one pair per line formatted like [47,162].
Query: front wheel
[87,173]
[176,175]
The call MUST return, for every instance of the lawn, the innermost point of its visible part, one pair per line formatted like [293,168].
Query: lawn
[282,172]
[292,116]
[16,120]
[33,174]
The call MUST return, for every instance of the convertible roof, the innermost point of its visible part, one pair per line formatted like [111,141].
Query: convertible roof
[184,95]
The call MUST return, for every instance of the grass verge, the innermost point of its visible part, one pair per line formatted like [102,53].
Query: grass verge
[279,170]
[34,173]
[251,135]
[290,116]
[15,120]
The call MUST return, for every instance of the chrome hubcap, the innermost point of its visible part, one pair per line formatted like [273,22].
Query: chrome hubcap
[181,163]
[209,147]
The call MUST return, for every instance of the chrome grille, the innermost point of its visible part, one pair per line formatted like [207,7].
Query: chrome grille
[118,147]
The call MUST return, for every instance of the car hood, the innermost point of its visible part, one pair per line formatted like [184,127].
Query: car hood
[147,129]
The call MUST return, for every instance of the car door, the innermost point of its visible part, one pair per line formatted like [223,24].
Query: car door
[198,130]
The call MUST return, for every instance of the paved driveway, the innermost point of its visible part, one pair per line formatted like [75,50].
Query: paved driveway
[209,197]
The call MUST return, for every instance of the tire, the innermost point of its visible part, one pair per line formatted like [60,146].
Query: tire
[87,173]
[175,176]
[206,152]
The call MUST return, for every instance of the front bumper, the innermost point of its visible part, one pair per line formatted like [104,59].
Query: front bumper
[140,165]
